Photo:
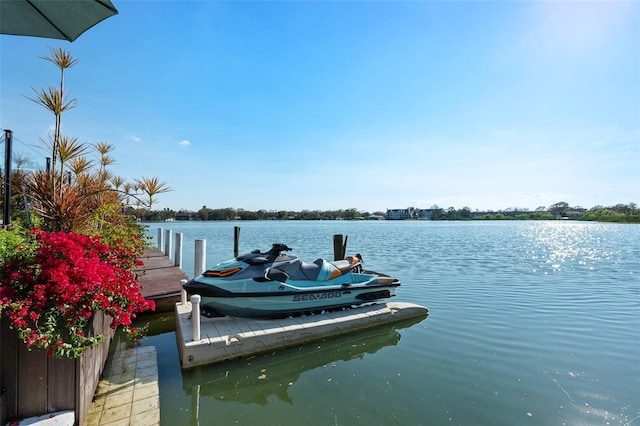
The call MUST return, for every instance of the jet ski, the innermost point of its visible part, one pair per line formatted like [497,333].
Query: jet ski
[274,284]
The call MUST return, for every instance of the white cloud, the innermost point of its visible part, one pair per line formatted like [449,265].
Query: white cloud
[575,26]
[184,143]
[134,138]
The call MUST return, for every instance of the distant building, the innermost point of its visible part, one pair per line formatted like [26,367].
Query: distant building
[574,213]
[399,214]
[410,213]
[424,214]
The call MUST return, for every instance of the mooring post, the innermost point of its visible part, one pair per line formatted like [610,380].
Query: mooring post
[201,258]
[236,240]
[167,243]
[177,258]
[338,247]
[195,317]
[160,234]
[344,247]
[183,293]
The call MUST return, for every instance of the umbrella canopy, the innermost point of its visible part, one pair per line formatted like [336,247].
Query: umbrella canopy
[61,19]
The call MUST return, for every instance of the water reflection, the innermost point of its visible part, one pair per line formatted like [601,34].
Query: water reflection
[256,379]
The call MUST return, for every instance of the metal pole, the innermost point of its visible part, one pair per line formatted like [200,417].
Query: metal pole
[6,207]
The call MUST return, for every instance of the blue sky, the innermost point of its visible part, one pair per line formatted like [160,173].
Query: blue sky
[322,105]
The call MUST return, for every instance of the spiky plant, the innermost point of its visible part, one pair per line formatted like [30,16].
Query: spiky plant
[152,187]
[80,165]
[63,210]
[55,99]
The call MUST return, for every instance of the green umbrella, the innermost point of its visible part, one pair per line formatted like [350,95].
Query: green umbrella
[61,19]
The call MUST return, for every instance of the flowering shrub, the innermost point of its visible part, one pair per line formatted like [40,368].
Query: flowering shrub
[124,233]
[51,286]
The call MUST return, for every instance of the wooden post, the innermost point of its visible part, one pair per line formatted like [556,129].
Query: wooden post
[200,262]
[344,246]
[339,248]
[337,245]
[236,240]
[177,258]
[160,234]
[167,243]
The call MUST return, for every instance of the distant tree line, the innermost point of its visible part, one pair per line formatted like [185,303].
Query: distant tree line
[619,213]
[229,213]
[625,213]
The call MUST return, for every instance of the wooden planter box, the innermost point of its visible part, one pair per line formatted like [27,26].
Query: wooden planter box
[32,384]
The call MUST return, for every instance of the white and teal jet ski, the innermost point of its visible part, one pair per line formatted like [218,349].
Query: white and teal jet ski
[274,284]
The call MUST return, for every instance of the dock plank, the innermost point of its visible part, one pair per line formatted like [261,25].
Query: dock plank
[159,280]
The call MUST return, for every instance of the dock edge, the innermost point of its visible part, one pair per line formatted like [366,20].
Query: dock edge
[227,338]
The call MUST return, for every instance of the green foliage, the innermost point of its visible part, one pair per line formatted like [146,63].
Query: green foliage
[15,242]
[496,216]
[540,216]
[603,214]
[123,231]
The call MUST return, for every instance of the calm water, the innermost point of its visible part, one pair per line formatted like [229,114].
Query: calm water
[531,323]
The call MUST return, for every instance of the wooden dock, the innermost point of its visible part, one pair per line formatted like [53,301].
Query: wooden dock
[160,279]
[228,338]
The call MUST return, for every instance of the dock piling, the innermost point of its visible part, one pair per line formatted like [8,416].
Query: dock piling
[183,293]
[195,317]
[178,250]
[236,240]
[167,243]
[199,264]
[339,247]
[160,234]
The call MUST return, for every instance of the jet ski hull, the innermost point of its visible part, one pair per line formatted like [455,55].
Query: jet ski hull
[285,302]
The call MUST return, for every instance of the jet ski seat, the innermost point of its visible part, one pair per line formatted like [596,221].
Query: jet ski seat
[319,270]
[327,270]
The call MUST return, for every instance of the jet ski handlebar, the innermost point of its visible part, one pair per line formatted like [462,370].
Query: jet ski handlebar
[278,248]
[256,257]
